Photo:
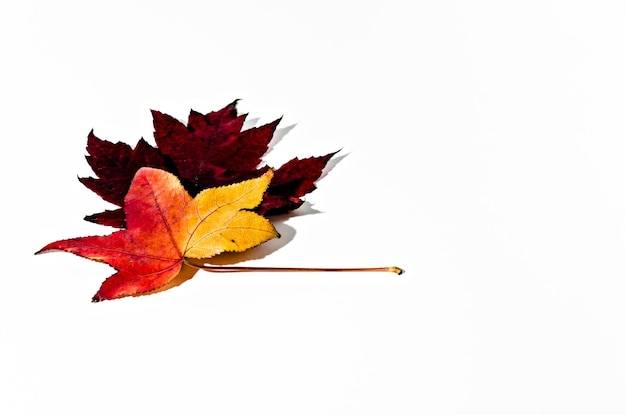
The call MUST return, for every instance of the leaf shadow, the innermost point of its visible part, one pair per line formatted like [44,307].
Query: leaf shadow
[287,234]
[278,136]
[332,163]
[250,123]
[186,273]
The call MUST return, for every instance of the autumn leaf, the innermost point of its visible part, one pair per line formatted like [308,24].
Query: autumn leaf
[166,226]
[210,150]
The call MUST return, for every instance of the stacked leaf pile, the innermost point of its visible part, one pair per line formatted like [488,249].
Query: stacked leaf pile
[201,191]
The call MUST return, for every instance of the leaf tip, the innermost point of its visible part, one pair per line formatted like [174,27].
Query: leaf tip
[91,218]
[47,249]
[265,179]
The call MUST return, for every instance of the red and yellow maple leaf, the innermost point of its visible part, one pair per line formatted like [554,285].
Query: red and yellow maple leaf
[165,226]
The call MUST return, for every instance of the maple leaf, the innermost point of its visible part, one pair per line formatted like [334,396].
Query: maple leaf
[211,150]
[166,226]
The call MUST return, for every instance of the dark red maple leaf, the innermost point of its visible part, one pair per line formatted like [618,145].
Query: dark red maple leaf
[211,150]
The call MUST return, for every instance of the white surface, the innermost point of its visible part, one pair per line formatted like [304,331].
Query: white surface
[486,145]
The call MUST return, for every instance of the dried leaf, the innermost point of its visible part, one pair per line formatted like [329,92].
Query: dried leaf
[165,225]
[211,150]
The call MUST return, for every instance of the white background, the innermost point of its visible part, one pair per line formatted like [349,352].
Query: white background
[485,147]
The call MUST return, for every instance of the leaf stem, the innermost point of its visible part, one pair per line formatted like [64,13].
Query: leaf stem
[218,268]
